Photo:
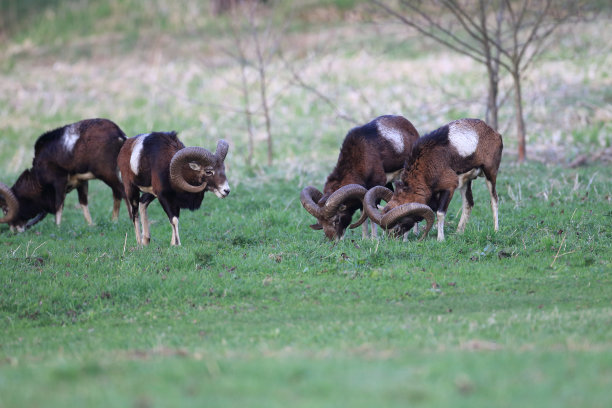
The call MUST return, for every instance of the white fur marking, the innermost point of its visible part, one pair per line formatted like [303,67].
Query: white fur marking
[69,138]
[136,151]
[465,177]
[74,179]
[392,135]
[87,214]
[147,190]
[463,138]
[220,192]
[393,176]
[440,215]
[175,233]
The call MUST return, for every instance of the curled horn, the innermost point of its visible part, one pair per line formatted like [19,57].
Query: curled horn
[221,151]
[309,197]
[372,198]
[343,194]
[361,220]
[186,155]
[12,205]
[390,219]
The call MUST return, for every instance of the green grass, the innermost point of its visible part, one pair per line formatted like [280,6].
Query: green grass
[255,308]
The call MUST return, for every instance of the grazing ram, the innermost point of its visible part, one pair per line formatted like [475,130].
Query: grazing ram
[159,165]
[371,155]
[442,161]
[64,159]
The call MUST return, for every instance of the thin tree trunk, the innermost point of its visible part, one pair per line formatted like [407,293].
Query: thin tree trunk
[248,115]
[492,68]
[520,121]
[264,102]
[263,84]
[491,115]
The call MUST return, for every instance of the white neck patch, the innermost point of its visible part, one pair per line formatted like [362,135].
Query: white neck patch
[463,138]
[136,151]
[69,138]
[392,135]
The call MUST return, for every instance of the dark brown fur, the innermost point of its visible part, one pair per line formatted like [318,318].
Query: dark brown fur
[431,175]
[154,172]
[42,189]
[365,159]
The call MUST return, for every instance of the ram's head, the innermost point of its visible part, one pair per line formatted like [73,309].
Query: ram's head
[195,169]
[334,212]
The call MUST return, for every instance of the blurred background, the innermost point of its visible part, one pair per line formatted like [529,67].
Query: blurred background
[283,81]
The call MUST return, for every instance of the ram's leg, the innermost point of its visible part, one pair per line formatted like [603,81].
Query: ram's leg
[145,200]
[60,196]
[173,212]
[82,190]
[176,240]
[467,203]
[132,199]
[494,204]
[58,214]
[374,228]
[365,231]
[144,221]
[112,180]
[60,181]
[491,178]
[445,198]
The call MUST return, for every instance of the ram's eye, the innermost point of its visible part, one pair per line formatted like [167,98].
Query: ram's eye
[209,173]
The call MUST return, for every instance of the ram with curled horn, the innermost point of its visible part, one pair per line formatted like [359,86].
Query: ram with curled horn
[371,155]
[442,161]
[65,159]
[159,165]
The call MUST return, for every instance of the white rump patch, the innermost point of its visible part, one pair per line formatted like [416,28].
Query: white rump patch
[136,151]
[463,138]
[69,138]
[392,135]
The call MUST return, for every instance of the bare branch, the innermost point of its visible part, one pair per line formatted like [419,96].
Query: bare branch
[467,49]
[466,21]
[298,80]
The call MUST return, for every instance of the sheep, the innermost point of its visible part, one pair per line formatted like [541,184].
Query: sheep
[442,161]
[159,165]
[371,155]
[64,159]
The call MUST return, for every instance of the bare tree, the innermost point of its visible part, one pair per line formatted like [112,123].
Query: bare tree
[496,33]
[261,64]
[254,47]
[240,55]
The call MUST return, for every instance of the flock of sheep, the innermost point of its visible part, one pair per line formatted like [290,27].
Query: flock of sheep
[424,172]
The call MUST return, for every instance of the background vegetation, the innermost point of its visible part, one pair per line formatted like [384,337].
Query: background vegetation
[255,308]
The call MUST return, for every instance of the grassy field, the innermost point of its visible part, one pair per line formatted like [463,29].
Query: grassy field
[256,309]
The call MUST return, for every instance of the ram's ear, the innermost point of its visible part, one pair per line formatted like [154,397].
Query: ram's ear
[316,226]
